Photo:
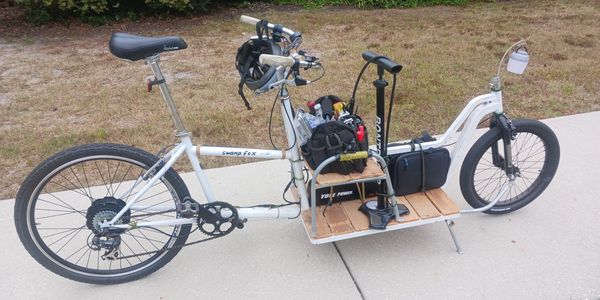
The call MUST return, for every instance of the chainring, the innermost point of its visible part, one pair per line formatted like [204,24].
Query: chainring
[217,218]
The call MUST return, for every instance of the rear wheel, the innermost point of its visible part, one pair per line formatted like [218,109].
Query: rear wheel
[535,153]
[61,203]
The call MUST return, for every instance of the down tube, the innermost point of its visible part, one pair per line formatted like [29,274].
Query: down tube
[466,135]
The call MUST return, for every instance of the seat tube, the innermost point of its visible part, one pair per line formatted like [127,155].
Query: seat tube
[166,94]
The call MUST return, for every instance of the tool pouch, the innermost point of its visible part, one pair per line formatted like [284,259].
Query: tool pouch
[333,138]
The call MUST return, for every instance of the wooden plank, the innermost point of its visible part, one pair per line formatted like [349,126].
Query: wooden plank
[371,170]
[424,208]
[337,219]
[322,227]
[344,217]
[442,202]
[358,220]
[331,178]
[412,214]
[361,222]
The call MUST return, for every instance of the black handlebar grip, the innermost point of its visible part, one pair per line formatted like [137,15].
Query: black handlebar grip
[297,35]
[382,61]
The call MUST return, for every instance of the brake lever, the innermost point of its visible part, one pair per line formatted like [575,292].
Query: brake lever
[307,57]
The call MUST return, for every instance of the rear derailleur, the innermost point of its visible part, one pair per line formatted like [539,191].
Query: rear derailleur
[110,243]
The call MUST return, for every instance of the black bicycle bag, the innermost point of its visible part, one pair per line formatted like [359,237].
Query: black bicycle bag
[333,138]
[419,171]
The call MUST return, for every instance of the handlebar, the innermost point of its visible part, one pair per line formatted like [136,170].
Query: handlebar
[276,60]
[382,61]
[286,61]
[252,21]
[292,58]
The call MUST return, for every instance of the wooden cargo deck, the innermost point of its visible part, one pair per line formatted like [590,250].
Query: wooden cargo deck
[344,220]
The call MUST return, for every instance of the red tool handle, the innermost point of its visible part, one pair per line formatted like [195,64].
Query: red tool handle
[360,133]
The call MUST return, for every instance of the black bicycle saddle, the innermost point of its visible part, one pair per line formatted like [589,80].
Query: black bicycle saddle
[136,47]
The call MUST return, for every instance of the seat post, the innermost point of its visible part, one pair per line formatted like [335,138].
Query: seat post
[164,90]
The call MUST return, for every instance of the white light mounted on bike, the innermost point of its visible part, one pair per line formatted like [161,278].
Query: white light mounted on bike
[517,61]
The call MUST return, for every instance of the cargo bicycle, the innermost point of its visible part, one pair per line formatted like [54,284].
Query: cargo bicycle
[109,213]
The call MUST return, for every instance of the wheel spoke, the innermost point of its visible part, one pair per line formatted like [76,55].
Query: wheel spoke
[68,241]
[57,233]
[102,177]
[132,252]
[146,238]
[46,201]
[86,181]
[82,247]
[81,184]
[71,207]
[529,155]
[58,215]
[70,189]
[83,255]
[122,179]
[78,185]
[138,242]
[148,197]
[87,263]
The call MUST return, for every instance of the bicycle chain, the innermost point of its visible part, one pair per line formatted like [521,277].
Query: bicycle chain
[152,214]
[170,248]
[179,246]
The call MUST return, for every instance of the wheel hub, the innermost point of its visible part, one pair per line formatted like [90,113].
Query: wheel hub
[105,209]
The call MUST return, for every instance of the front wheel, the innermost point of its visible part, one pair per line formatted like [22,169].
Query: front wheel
[535,156]
[61,203]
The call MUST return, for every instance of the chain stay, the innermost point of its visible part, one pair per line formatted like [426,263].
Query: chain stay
[212,236]
[170,248]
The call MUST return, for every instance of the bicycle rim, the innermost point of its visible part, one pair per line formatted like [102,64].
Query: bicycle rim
[530,157]
[58,205]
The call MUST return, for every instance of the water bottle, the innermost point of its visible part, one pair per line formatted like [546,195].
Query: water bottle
[318,110]
[313,121]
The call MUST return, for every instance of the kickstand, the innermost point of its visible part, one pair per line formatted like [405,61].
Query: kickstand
[450,224]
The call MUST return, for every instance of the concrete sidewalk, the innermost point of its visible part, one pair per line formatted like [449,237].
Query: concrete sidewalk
[550,249]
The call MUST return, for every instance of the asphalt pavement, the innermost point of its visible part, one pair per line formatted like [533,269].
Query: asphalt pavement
[547,250]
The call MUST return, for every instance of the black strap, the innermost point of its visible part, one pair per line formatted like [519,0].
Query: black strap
[422,167]
[245,68]
[241,91]
[277,33]
[329,202]
[262,28]
[417,142]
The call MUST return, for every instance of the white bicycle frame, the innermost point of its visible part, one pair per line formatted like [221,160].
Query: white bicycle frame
[469,118]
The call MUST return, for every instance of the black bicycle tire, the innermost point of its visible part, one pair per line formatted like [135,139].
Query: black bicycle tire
[24,195]
[472,158]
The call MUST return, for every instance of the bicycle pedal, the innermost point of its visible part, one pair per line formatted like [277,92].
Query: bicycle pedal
[188,209]
[240,224]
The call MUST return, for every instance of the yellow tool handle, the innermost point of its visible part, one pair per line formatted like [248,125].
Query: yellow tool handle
[354,156]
